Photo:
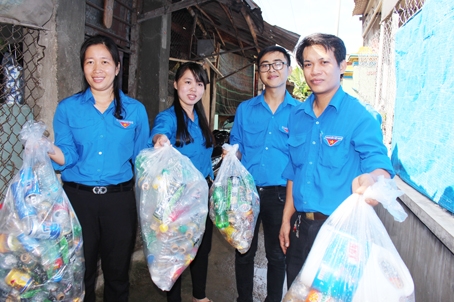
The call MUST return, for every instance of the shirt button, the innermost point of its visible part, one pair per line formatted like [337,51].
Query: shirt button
[308,182]
[269,132]
[100,153]
[317,122]
[313,143]
[266,148]
[310,163]
[101,136]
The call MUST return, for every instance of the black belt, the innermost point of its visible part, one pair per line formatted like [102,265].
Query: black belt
[314,215]
[269,187]
[122,187]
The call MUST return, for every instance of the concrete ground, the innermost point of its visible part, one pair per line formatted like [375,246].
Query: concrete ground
[221,285]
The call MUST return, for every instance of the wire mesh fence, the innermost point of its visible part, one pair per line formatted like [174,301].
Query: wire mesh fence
[20,55]
[376,76]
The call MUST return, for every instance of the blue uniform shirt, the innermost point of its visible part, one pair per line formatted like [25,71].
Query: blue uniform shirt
[328,152]
[262,138]
[200,156]
[99,148]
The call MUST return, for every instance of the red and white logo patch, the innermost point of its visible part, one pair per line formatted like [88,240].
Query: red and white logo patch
[333,140]
[125,124]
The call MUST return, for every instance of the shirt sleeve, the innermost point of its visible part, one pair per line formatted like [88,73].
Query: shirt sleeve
[164,124]
[368,142]
[236,136]
[64,138]
[289,172]
[142,131]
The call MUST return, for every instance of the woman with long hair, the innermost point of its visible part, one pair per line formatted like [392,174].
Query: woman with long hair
[185,126]
[98,134]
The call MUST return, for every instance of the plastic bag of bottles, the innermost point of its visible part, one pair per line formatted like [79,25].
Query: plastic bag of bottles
[41,255]
[353,259]
[234,201]
[172,201]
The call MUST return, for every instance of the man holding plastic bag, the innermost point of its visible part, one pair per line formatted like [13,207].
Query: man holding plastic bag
[336,149]
[261,131]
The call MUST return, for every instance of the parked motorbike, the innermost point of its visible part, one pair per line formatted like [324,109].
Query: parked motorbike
[221,137]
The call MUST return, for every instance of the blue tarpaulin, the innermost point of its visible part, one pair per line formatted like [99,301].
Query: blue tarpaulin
[423,132]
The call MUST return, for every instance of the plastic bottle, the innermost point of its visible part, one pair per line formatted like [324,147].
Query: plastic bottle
[233,184]
[220,206]
[48,181]
[51,259]
[8,261]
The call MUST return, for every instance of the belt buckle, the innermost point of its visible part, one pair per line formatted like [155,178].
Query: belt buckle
[99,190]
[310,216]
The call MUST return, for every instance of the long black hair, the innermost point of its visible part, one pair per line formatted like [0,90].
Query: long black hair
[113,49]
[183,137]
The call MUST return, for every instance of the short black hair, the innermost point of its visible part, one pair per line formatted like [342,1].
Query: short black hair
[274,48]
[329,42]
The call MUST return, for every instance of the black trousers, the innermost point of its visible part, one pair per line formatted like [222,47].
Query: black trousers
[109,224]
[272,201]
[300,246]
[198,268]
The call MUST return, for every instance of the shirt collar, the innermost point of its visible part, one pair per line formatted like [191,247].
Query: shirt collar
[87,96]
[335,102]
[288,99]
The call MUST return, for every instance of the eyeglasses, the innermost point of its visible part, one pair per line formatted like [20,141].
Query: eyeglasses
[278,65]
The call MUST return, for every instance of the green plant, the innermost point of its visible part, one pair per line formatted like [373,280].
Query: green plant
[300,88]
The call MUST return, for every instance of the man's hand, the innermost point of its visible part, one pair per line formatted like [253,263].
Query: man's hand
[363,181]
[284,234]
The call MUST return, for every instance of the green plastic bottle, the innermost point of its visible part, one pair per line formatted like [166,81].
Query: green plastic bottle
[220,207]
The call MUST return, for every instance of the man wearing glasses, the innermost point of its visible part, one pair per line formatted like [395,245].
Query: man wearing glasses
[261,131]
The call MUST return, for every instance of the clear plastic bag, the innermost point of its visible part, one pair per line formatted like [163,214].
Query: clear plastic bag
[41,255]
[234,202]
[172,200]
[353,259]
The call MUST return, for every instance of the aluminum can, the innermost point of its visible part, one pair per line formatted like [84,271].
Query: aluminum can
[46,230]
[22,208]
[29,181]
[18,279]
[30,244]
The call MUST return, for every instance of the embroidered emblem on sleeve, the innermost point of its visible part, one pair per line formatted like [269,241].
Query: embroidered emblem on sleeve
[285,129]
[125,124]
[333,140]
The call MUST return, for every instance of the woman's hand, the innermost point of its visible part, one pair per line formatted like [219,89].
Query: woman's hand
[56,154]
[160,140]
